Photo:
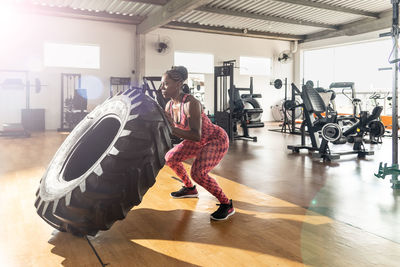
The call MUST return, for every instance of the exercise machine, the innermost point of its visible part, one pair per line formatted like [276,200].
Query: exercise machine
[347,89]
[119,85]
[154,91]
[229,104]
[196,87]
[289,108]
[73,101]
[320,120]
[373,127]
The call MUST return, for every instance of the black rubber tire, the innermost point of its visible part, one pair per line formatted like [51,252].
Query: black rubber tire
[105,165]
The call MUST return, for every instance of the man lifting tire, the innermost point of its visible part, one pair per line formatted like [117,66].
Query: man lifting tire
[203,140]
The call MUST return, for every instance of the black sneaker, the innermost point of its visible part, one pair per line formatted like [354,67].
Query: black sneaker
[223,212]
[185,192]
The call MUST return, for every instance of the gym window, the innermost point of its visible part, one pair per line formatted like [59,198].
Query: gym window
[72,56]
[365,64]
[255,66]
[195,62]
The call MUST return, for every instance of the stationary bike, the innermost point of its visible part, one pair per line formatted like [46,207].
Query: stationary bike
[366,123]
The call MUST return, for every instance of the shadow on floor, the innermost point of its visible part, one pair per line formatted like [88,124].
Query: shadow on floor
[76,251]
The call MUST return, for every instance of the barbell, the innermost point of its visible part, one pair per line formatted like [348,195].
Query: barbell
[17,84]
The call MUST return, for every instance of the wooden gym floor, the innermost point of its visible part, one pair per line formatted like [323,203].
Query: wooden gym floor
[290,211]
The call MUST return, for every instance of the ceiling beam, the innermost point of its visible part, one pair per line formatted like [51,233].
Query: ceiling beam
[228,31]
[81,14]
[330,7]
[172,10]
[151,2]
[355,28]
[221,11]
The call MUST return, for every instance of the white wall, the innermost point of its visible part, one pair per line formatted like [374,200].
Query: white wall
[223,47]
[21,48]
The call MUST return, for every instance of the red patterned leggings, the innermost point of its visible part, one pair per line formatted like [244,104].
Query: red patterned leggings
[207,157]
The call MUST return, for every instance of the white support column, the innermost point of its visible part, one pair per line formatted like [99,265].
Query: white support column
[140,58]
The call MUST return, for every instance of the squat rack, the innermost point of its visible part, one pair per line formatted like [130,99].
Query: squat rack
[27,84]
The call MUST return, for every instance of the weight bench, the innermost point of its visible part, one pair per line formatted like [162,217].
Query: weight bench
[243,115]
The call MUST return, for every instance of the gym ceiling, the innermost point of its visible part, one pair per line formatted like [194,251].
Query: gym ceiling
[302,20]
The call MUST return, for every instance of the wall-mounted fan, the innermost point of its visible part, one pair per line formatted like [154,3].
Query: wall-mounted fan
[285,56]
[162,45]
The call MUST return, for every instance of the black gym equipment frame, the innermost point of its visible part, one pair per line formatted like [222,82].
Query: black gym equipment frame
[288,105]
[229,108]
[393,170]
[119,85]
[150,88]
[373,126]
[73,104]
[313,104]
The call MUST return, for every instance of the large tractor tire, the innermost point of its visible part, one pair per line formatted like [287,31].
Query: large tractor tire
[105,166]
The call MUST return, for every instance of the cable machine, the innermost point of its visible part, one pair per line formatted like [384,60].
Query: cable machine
[223,77]
[230,107]
[73,101]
